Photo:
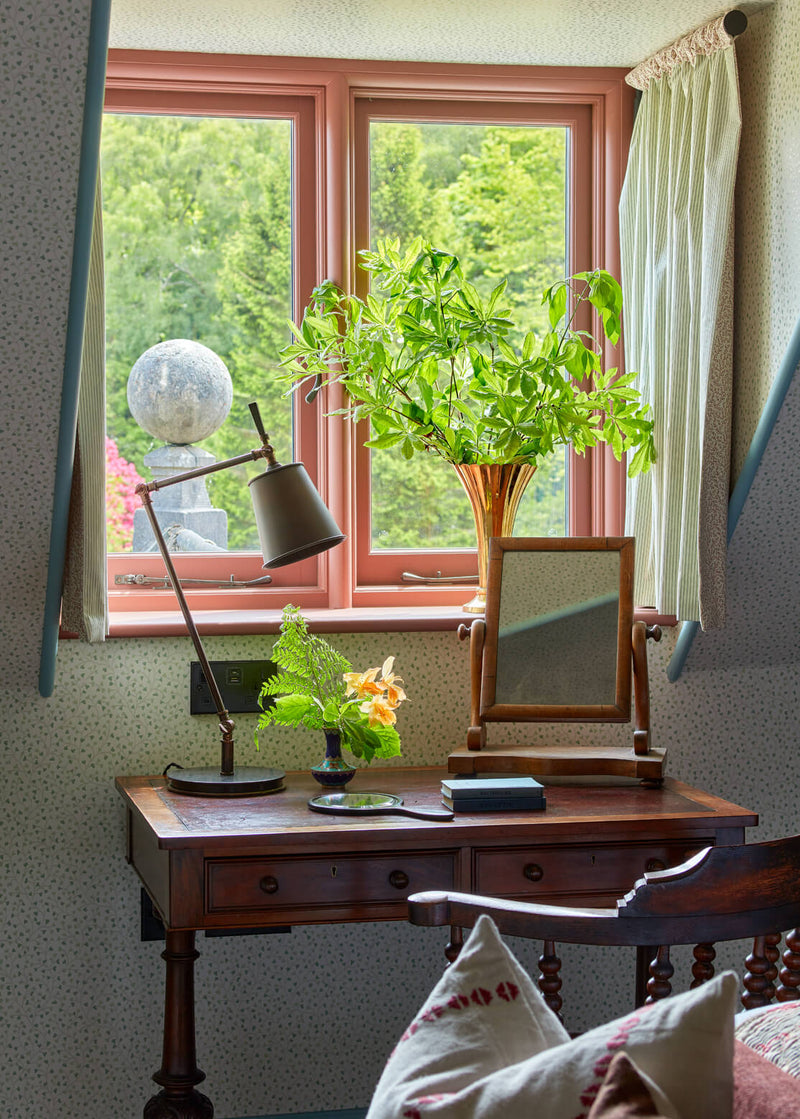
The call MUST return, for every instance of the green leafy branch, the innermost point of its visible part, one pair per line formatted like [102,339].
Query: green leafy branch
[429,363]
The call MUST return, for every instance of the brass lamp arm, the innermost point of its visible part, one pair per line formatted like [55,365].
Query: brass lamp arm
[226,724]
[201,471]
[265,451]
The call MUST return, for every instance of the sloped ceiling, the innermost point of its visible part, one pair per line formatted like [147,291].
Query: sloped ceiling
[530,32]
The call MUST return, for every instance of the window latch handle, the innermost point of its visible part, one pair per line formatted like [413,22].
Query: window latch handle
[412,577]
[160,581]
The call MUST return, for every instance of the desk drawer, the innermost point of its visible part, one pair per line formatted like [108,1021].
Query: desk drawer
[300,882]
[572,870]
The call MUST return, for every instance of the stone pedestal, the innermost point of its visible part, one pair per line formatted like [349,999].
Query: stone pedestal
[180,392]
[186,504]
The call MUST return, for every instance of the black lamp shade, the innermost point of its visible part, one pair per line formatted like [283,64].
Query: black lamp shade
[292,519]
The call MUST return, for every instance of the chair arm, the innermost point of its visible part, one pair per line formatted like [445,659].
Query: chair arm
[519,918]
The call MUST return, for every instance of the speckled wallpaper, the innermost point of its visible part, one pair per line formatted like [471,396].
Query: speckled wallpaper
[767,212]
[294,1022]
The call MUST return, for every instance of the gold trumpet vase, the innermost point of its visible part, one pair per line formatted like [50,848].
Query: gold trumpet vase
[494,491]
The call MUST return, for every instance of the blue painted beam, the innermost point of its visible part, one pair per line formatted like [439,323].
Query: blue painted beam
[76,313]
[758,445]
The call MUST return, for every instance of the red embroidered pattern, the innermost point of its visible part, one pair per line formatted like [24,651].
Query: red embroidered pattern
[413,1112]
[479,996]
[588,1095]
[763,1034]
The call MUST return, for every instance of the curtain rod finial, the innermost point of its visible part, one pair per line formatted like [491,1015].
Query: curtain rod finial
[735,22]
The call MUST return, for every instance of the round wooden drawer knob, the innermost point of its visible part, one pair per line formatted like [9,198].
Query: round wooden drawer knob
[269,884]
[398,879]
[533,872]
[654,864]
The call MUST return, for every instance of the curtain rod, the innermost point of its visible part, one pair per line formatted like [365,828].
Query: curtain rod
[713,36]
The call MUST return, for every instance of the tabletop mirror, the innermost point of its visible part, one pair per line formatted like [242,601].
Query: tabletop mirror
[559,644]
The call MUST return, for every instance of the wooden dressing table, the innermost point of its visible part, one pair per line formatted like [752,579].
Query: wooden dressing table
[259,862]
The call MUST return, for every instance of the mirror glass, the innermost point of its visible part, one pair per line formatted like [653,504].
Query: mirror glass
[354,802]
[558,629]
[557,632]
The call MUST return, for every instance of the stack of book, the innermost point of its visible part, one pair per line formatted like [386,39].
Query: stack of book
[493,794]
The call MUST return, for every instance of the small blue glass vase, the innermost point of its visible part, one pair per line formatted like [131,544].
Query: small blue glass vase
[334,771]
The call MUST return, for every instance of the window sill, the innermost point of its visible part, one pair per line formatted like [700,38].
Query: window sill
[398,619]
[214,623]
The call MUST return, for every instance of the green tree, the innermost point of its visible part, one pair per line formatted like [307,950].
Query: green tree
[255,292]
[444,146]
[396,198]
[193,207]
[506,216]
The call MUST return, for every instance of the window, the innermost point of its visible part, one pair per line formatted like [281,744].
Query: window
[466,175]
[264,176]
[198,245]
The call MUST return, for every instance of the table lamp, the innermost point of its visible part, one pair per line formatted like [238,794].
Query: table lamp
[293,523]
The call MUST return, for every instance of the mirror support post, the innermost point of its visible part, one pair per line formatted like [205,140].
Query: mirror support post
[476,735]
[641,685]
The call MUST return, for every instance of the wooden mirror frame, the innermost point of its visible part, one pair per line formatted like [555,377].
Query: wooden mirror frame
[631,674]
[618,711]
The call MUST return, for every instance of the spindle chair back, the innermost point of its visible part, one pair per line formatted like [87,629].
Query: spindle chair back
[720,894]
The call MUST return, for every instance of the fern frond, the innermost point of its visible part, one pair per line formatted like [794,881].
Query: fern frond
[307,663]
[282,683]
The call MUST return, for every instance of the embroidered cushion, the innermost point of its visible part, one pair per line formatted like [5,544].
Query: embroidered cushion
[457,1066]
[484,1014]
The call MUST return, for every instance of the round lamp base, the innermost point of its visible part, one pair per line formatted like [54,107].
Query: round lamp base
[245,781]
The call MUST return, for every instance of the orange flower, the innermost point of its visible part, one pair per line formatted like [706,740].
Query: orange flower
[380,696]
[363,683]
[378,712]
[394,694]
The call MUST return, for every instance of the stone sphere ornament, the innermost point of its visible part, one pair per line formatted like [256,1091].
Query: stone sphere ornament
[180,391]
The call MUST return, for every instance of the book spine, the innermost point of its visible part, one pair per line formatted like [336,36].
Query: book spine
[496,804]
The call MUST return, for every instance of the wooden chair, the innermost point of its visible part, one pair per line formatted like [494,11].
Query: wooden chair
[721,893]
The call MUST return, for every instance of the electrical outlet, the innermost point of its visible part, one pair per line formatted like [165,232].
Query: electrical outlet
[239,683]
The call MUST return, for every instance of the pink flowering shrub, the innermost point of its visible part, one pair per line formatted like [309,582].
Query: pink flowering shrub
[122,478]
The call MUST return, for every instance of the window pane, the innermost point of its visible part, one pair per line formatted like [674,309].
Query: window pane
[197,230]
[495,195]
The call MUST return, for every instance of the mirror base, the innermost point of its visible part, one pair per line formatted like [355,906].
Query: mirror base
[560,761]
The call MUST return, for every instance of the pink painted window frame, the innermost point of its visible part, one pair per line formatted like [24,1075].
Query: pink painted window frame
[378,570]
[328,99]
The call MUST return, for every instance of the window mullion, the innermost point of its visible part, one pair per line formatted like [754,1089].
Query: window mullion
[336,254]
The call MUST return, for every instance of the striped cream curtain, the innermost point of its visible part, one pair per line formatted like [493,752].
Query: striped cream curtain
[85,602]
[676,230]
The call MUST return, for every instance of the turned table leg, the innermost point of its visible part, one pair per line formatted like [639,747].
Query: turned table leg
[179,1072]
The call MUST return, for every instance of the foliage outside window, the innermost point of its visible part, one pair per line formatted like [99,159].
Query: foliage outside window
[495,196]
[197,230]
